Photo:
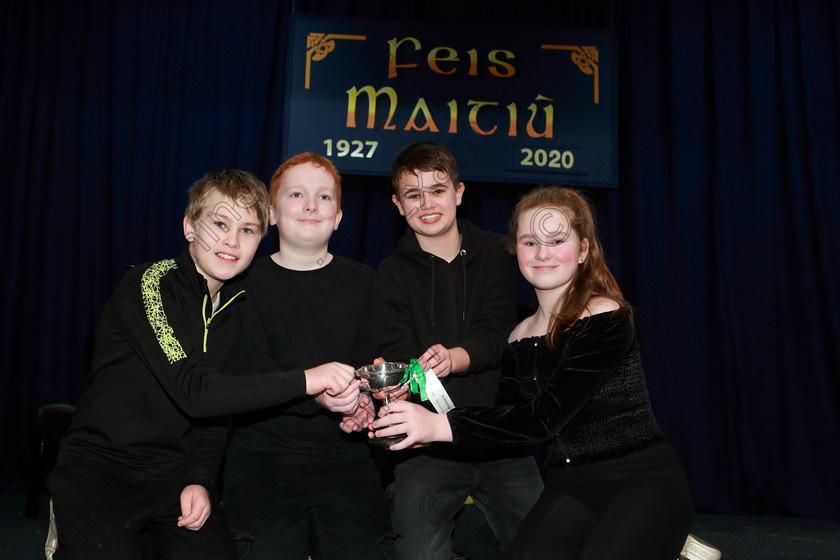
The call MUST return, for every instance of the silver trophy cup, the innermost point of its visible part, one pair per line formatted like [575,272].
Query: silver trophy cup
[382,381]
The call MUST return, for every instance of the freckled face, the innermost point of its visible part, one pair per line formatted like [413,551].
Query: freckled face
[429,200]
[224,240]
[548,251]
[305,210]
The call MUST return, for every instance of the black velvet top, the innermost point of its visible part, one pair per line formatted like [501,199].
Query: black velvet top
[588,398]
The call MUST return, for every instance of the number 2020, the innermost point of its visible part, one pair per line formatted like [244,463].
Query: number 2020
[541,158]
[343,148]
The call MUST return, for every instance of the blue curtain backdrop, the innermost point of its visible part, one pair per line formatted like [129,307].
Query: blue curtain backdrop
[722,232]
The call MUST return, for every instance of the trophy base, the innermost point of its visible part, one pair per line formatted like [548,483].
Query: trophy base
[387,440]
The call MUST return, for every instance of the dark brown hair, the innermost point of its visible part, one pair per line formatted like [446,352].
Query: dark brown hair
[424,156]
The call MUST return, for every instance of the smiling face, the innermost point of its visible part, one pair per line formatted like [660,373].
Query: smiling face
[304,208]
[428,200]
[223,240]
[548,250]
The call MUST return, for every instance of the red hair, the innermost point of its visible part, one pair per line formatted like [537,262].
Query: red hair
[306,157]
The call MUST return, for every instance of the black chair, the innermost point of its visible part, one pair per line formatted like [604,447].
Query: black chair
[50,422]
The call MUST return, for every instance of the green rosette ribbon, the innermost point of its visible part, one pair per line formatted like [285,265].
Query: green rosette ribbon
[416,377]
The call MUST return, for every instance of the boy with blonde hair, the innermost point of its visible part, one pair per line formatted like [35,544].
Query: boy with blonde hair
[136,473]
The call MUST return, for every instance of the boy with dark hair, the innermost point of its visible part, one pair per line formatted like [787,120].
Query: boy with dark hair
[447,296]
[137,470]
[295,485]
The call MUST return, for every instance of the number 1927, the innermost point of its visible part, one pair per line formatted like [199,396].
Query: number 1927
[352,148]
[542,158]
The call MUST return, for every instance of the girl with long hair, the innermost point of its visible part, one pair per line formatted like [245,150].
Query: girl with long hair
[573,377]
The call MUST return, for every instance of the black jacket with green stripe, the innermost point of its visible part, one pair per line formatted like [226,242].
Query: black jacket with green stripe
[161,386]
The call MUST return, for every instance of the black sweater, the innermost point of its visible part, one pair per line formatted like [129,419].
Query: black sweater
[157,388]
[301,319]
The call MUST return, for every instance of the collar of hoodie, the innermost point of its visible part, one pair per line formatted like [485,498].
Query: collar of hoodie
[432,259]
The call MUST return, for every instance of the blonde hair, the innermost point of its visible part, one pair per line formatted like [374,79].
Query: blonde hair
[243,188]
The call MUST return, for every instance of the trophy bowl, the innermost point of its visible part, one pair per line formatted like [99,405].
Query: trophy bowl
[382,381]
[385,377]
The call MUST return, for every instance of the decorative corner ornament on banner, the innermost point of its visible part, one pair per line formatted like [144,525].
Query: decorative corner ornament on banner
[508,107]
[585,58]
[319,45]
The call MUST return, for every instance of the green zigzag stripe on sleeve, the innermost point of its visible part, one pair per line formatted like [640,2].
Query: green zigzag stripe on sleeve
[150,288]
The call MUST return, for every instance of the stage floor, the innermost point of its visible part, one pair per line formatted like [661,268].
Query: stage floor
[739,537]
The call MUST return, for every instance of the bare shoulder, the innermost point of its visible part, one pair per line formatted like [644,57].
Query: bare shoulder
[600,304]
[526,329]
[515,334]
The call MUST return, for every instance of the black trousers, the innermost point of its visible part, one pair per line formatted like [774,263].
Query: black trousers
[102,516]
[635,508]
[289,506]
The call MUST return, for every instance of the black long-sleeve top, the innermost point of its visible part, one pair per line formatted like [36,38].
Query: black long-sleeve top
[588,398]
[160,384]
[301,319]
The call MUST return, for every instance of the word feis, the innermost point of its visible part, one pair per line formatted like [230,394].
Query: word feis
[484,117]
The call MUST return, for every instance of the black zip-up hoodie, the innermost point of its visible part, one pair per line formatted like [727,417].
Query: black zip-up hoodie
[419,300]
[160,379]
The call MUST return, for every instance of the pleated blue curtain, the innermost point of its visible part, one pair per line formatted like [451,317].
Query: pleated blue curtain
[721,232]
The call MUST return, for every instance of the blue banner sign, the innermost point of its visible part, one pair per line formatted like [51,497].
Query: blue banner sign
[513,105]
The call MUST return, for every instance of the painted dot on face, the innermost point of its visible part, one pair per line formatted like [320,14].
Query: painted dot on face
[550,223]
